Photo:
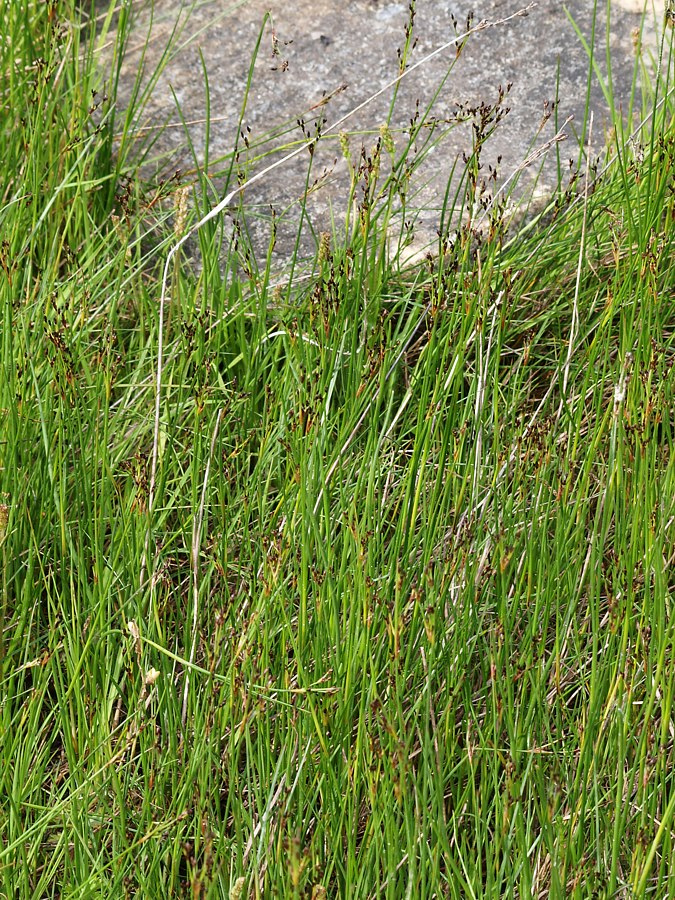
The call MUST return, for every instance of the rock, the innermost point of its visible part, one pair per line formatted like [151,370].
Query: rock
[317,49]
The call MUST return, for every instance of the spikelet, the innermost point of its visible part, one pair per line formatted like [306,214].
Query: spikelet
[387,139]
[180,206]
[344,146]
[237,889]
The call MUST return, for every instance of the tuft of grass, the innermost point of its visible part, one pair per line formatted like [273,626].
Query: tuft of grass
[378,602]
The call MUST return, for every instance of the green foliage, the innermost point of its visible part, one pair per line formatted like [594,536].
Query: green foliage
[394,619]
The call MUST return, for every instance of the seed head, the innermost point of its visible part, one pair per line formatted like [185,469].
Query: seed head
[181,209]
[324,246]
[4,519]
[344,146]
[237,889]
[387,139]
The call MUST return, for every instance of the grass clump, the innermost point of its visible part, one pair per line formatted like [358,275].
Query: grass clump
[379,604]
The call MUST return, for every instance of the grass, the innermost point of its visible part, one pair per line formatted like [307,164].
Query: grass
[379,604]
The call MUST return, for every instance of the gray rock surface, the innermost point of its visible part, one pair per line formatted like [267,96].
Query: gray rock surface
[347,50]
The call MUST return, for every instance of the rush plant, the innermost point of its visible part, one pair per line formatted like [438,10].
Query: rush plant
[349,580]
